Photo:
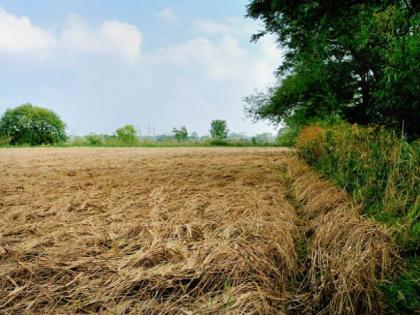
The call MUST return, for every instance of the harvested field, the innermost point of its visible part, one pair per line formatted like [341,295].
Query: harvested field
[181,231]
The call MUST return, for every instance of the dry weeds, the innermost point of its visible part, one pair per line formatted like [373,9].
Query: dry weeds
[180,231]
[347,254]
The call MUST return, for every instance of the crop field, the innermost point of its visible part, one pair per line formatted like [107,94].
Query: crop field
[182,231]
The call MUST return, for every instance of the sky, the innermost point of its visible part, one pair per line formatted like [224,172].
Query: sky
[153,64]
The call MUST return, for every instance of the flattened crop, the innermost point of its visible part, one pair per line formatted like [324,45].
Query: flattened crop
[177,231]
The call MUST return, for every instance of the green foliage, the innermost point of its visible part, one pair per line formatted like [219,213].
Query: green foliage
[95,139]
[381,170]
[126,134]
[33,125]
[180,134]
[402,292]
[102,140]
[287,136]
[357,59]
[4,141]
[123,137]
[219,131]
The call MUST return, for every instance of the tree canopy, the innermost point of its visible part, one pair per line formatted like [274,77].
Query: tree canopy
[219,131]
[127,133]
[355,59]
[180,134]
[28,124]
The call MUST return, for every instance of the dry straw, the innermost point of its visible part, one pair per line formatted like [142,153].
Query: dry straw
[161,232]
[347,254]
[180,231]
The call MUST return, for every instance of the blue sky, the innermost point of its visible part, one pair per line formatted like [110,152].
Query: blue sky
[154,64]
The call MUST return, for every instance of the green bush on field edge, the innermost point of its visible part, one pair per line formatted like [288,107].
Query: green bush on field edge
[381,170]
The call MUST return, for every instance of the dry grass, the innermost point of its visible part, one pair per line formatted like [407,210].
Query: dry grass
[156,231]
[347,254]
[179,231]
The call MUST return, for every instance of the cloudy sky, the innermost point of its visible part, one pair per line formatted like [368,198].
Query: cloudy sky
[154,64]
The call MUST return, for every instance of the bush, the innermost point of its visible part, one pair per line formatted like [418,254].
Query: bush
[28,124]
[287,137]
[381,170]
[375,166]
[4,141]
[180,134]
[95,139]
[127,134]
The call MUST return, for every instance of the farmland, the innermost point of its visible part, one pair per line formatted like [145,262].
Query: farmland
[182,230]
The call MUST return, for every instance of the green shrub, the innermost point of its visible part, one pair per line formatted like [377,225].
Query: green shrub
[287,137]
[127,134]
[381,170]
[28,124]
[4,141]
[94,139]
[180,134]
[377,167]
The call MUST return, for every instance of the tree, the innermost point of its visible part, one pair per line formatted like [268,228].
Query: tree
[219,131]
[28,124]
[180,134]
[127,134]
[356,59]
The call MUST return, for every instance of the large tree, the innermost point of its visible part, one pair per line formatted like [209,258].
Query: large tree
[357,59]
[28,124]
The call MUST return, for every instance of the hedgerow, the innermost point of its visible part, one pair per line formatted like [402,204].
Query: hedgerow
[380,169]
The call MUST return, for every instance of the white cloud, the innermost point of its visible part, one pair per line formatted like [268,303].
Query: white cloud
[167,14]
[123,38]
[78,36]
[204,76]
[217,60]
[19,36]
[238,27]
[222,52]
[111,37]
[211,27]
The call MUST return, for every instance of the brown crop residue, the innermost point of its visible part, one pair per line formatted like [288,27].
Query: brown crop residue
[180,231]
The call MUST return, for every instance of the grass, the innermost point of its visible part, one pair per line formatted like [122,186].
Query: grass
[402,291]
[381,170]
[347,254]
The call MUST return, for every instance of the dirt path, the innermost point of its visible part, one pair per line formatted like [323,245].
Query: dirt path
[173,231]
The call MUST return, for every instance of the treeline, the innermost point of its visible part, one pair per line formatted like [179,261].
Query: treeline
[33,125]
[358,60]
[129,136]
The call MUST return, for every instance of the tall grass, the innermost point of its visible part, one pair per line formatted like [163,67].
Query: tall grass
[382,170]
